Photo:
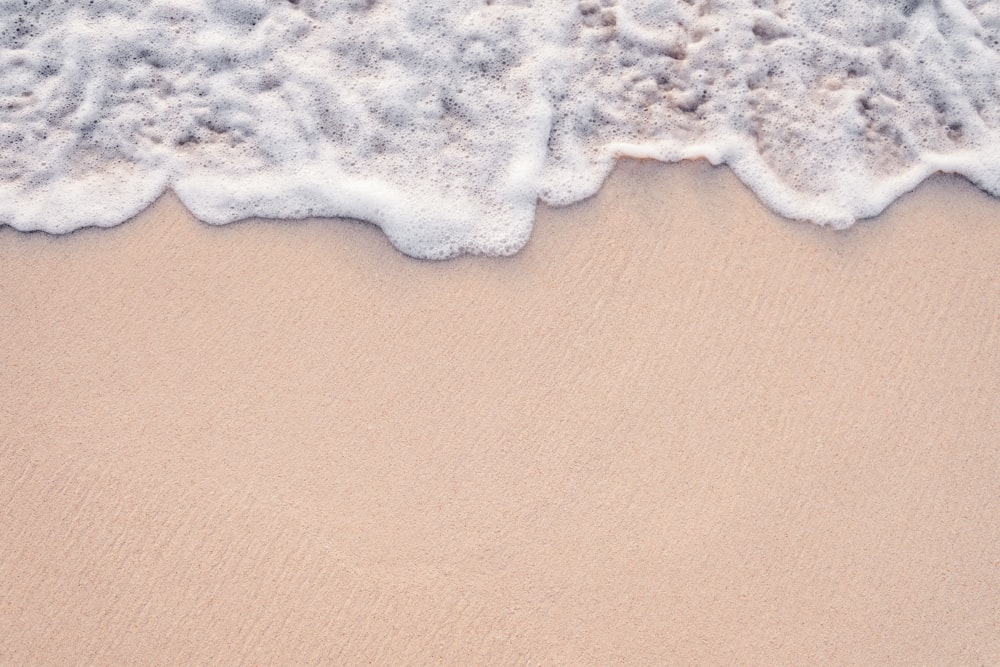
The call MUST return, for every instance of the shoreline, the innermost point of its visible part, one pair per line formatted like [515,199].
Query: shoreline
[947,184]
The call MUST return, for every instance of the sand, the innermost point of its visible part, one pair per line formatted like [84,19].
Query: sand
[674,429]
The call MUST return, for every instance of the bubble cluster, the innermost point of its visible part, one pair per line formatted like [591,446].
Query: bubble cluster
[445,122]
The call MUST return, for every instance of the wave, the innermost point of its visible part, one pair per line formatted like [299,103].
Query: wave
[445,122]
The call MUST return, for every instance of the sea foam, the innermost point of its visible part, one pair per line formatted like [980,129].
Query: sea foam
[444,122]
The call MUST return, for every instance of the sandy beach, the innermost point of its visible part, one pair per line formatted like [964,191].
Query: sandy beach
[674,429]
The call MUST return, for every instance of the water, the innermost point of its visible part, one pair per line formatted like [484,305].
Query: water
[444,122]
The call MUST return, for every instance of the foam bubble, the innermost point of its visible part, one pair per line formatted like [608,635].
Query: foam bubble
[445,122]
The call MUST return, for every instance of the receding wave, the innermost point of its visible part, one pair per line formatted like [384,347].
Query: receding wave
[444,122]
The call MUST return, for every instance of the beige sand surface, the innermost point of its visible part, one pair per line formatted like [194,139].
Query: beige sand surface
[675,429]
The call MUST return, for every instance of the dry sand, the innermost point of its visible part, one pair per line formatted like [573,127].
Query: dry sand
[674,429]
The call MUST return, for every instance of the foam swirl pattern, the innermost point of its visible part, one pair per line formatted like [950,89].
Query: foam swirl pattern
[444,122]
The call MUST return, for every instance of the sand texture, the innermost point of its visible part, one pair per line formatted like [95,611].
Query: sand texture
[675,429]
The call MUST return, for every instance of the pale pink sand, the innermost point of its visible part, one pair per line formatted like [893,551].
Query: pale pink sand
[674,429]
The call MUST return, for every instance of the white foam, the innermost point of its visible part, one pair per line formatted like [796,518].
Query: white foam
[444,122]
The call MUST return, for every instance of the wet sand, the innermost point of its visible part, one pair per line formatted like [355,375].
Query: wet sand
[674,429]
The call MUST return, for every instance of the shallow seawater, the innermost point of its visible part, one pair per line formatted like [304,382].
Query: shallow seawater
[446,122]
